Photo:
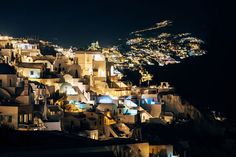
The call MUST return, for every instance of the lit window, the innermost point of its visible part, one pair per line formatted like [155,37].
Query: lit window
[25,118]
[21,118]
[30,117]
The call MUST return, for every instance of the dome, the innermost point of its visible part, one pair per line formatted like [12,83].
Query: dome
[68,89]
[7,69]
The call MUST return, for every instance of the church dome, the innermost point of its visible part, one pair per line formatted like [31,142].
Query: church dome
[68,89]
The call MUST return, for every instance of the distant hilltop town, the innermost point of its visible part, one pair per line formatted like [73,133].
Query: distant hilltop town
[44,87]
[157,45]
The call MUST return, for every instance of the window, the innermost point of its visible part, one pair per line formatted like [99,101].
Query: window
[1,118]
[9,119]
[21,118]
[31,72]
[30,117]
[6,118]
[25,118]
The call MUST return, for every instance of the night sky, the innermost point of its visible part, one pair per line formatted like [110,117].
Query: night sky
[77,23]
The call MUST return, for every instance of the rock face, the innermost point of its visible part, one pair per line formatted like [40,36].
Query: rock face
[202,122]
[173,103]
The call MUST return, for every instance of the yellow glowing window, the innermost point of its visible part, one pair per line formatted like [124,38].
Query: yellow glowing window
[25,118]
[30,117]
[21,118]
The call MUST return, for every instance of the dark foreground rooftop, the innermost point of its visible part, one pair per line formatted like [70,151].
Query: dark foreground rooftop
[49,143]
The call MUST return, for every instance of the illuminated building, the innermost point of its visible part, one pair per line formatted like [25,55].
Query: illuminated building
[54,115]
[26,49]
[15,93]
[161,150]
[61,63]
[46,60]
[80,89]
[9,115]
[5,41]
[75,70]
[92,62]
[31,70]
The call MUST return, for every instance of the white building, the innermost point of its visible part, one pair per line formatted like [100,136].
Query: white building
[27,49]
[31,70]
[9,115]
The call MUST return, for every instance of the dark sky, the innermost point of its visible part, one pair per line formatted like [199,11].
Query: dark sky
[79,22]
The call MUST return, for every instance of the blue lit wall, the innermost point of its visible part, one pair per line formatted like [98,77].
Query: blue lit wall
[79,104]
[127,111]
[105,99]
[149,101]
